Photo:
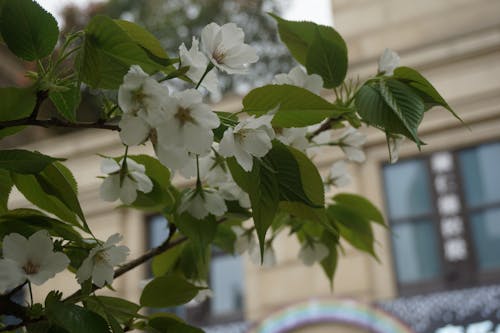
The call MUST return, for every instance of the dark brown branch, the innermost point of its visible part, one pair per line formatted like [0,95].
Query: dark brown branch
[54,122]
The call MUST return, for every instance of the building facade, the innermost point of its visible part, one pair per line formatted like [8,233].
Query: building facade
[439,268]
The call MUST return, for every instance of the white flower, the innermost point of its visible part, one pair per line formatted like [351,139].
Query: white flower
[388,62]
[269,259]
[318,140]
[298,77]
[394,141]
[30,259]
[203,294]
[245,241]
[351,142]
[295,137]
[225,48]
[141,95]
[133,130]
[338,174]
[201,202]
[312,252]
[230,191]
[101,260]
[187,127]
[251,137]
[134,180]
[198,63]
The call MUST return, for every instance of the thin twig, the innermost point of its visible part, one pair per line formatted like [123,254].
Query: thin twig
[54,122]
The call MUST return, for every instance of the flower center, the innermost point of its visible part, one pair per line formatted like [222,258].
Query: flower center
[101,256]
[184,115]
[219,55]
[31,268]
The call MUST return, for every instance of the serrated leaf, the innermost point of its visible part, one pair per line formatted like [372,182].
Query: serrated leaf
[17,103]
[362,205]
[66,102]
[28,221]
[73,318]
[297,107]
[163,264]
[5,188]
[118,308]
[145,39]
[299,36]
[170,323]
[166,291]
[108,52]
[201,233]
[407,105]
[353,227]
[28,30]
[374,111]
[329,264]
[29,186]
[327,58]
[263,189]
[59,184]
[24,161]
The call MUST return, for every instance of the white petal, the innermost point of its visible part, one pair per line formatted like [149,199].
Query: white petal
[134,130]
[102,273]
[117,254]
[56,262]
[84,272]
[257,143]
[388,61]
[209,38]
[244,159]
[110,188]
[144,183]
[11,275]
[109,165]
[215,203]
[112,240]
[15,247]
[354,154]
[128,191]
[306,254]
[227,144]
[39,247]
[172,158]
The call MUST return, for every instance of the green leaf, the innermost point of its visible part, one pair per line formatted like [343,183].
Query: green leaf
[118,308]
[171,323]
[29,186]
[299,36]
[297,107]
[28,221]
[145,39]
[225,238]
[353,227]
[28,30]
[164,263]
[373,109]
[263,189]
[407,105]
[362,205]
[17,103]
[295,172]
[327,57]
[5,188]
[56,180]
[329,264]
[192,263]
[66,102]
[10,131]
[161,196]
[24,161]
[201,233]
[166,291]
[73,318]
[108,52]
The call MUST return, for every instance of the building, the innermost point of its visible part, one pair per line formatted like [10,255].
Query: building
[439,269]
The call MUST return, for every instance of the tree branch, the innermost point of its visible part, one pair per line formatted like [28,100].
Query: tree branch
[54,122]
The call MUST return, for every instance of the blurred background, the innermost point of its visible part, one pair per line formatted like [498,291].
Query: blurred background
[439,268]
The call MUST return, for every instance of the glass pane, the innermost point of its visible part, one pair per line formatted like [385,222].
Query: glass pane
[486,234]
[416,251]
[158,231]
[226,280]
[480,174]
[407,189]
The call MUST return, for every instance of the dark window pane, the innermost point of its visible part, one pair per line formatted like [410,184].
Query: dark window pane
[486,235]
[407,189]
[416,251]
[226,279]
[480,174]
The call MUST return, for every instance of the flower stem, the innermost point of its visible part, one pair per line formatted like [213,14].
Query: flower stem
[31,292]
[209,68]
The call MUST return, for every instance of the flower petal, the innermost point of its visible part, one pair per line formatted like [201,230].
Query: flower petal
[11,275]
[102,274]
[15,247]
[128,191]
[134,130]
[109,165]
[110,188]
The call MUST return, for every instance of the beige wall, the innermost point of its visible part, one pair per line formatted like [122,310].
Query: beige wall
[456,43]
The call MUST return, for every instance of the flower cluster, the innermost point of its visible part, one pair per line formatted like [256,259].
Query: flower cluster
[34,260]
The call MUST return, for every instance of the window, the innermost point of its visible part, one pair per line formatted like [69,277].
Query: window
[226,280]
[444,210]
